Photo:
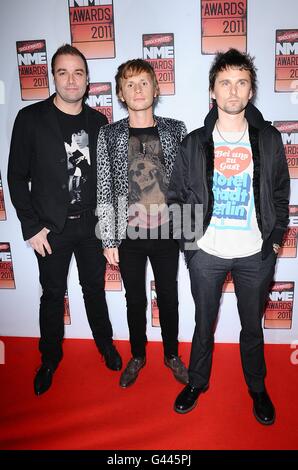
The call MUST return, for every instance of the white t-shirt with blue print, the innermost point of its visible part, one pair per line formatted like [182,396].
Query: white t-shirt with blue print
[233,230]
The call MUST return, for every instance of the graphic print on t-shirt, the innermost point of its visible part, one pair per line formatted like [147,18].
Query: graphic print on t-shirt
[78,165]
[233,231]
[146,178]
[232,186]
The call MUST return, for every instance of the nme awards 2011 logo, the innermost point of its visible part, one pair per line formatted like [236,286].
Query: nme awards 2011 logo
[113,278]
[289,135]
[289,243]
[286,59]
[92,27]
[100,98]
[223,25]
[279,309]
[6,267]
[158,50]
[2,204]
[33,69]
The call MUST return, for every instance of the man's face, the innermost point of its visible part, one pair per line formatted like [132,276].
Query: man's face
[232,90]
[70,78]
[137,92]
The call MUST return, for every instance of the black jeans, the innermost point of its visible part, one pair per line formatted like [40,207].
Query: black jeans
[252,277]
[78,237]
[163,256]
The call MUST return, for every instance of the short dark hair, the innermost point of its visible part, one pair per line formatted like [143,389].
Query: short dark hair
[234,59]
[135,67]
[67,49]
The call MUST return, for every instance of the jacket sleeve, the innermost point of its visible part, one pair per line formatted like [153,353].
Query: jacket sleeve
[180,170]
[106,227]
[177,190]
[19,172]
[281,193]
[177,194]
[183,131]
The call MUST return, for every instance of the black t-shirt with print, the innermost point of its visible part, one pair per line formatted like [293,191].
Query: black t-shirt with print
[76,141]
[147,178]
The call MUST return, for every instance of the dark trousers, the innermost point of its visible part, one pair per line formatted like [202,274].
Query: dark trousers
[252,277]
[77,237]
[163,256]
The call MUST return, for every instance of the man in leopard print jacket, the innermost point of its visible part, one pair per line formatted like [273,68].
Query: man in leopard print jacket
[135,158]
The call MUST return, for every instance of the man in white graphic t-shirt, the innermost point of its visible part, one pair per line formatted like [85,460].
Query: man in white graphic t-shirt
[236,168]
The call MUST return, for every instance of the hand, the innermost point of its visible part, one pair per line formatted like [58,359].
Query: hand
[112,256]
[276,248]
[40,242]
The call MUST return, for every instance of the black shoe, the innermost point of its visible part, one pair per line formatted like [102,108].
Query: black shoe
[263,408]
[112,358]
[131,372]
[43,379]
[187,399]
[178,368]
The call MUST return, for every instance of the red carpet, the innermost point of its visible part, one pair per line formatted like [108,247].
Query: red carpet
[86,409]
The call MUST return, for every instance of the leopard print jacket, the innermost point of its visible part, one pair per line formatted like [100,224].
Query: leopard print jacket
[112,173]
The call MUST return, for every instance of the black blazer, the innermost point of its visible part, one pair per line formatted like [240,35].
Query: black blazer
[37,168]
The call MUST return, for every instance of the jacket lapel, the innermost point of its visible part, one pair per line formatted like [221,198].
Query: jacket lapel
[52,124]
[167,144]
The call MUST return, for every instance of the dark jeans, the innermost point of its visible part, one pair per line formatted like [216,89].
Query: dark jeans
[78,237]
[163,256]
[252,277]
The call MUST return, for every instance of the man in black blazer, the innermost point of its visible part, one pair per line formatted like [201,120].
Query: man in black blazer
[53,147]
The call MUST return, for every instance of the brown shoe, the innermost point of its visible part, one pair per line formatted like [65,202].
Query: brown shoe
[131,372]
[178,368]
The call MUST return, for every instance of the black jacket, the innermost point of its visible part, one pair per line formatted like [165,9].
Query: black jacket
[192,177]
[37,156]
